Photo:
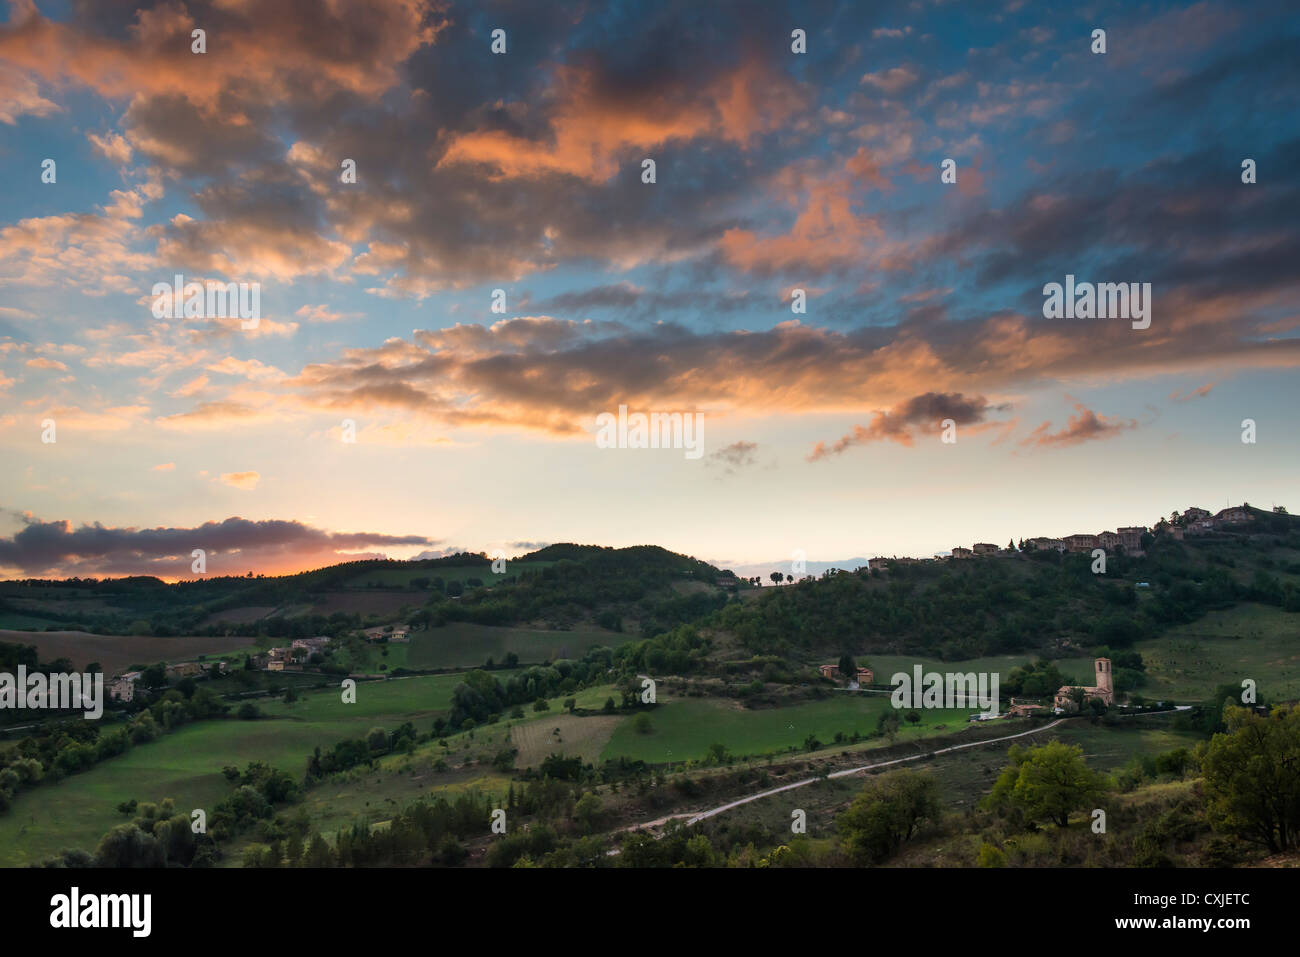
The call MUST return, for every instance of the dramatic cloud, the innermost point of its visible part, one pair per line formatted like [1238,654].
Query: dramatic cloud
[233,546]
[775,172]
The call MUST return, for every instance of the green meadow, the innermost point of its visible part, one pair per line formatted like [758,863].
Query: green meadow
[683,729]
[1249,641]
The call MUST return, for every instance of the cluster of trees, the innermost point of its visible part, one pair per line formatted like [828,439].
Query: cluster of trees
[258,790]
[1037,680]
[427,832]
[157,836]
[977,609]
[354,752]
[1252,777]
[482,697]
[993,606]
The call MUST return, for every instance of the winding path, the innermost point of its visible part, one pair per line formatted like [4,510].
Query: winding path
[697,816]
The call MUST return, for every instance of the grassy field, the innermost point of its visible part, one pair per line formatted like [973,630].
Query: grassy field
[1109,748]
[1248,641]
[115,652]
[684,728]
[186,764]
[466,645]
[565,734]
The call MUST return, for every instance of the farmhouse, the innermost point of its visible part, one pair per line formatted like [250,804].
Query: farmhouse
[122,688]
[984,548]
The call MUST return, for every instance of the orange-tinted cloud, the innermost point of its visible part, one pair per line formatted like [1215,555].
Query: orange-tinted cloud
[243,480]
[1084,426]
[594,125]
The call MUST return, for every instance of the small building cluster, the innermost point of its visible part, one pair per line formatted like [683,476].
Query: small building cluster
[122,688]
[865,676]
[1193,521]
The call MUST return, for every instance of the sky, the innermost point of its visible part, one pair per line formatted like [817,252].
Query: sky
[838,264]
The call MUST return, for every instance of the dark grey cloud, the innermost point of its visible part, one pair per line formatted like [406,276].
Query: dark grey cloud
[42,547]
[922,414]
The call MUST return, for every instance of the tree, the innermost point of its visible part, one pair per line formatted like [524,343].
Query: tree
[1252,777]
[154,676]
[848,670]
[991,856]
[587,811]
[319,853]
[1047,783]
[128,846]
[570,704]
[776,577]
[888,812]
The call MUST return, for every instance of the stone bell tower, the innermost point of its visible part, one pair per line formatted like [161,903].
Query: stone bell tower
[1105,683]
